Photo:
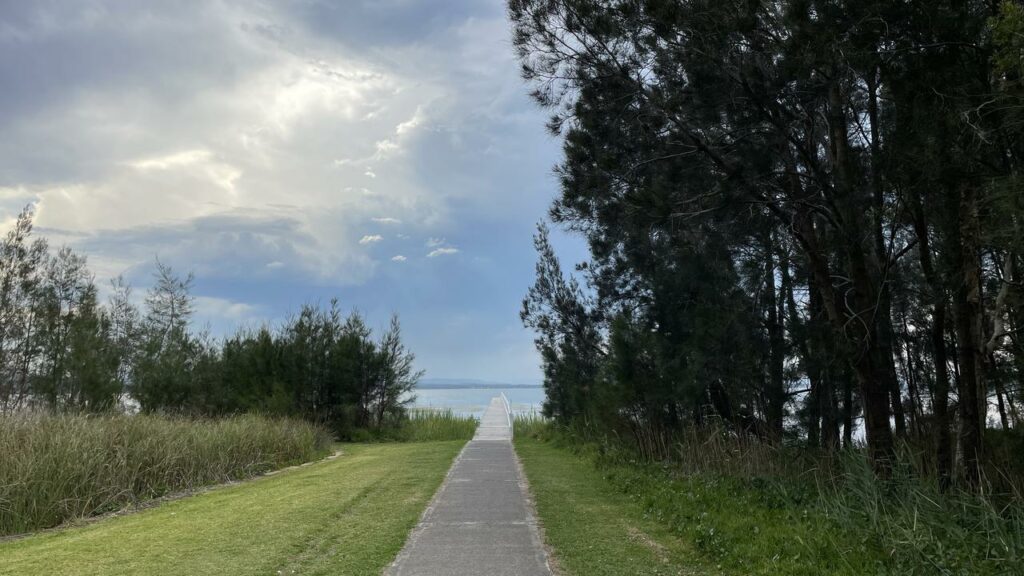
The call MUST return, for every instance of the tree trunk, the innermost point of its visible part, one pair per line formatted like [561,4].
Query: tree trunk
[970,348]
[811,364]
[776,395]
[940,361]
[886,333]
[1000,403]
[870,350]
[847,411]
[867,357]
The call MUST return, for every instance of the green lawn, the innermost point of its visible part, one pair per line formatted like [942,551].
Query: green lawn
[349,515]
[592,527]
[632,519]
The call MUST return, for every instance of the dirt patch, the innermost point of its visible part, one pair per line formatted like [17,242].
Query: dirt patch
[637,535]
[660,552]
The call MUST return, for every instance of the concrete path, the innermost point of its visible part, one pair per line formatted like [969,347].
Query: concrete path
[479,522]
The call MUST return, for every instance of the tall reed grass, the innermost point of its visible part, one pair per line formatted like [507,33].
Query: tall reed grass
[425,425]
[922,529]
[54,468]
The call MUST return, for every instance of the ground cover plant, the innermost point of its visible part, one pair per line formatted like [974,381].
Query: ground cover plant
[593,528]
[55,468]
[744,518]
[346,515]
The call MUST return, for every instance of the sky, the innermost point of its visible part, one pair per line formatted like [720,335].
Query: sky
[383,152]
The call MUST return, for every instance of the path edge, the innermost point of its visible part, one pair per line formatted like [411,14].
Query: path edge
[537,533]
[421,524]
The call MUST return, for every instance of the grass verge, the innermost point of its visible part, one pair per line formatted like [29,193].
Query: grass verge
[348,515]
[593,527]
[55,468]
[753,508]
[638,519]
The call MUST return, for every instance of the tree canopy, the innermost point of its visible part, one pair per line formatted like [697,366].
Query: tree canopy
[803,216]
[62,349]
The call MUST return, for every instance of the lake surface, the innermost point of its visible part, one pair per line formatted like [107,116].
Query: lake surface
[473,401]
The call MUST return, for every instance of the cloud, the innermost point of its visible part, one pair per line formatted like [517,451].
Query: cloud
[184,158]
[370,239]
[236,246]
[255,143]
[211,307]
[407,127]
[403,133]
[398,258]
[384,147]
[249,108]
[442,252]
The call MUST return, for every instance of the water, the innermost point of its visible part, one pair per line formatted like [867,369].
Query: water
[473,401]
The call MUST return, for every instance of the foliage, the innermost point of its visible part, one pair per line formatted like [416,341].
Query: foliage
[55,468]
[62,350]
[567,335]
[320,366]
[803,220]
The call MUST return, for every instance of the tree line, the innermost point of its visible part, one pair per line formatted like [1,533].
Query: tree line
[63,349]
[804,218]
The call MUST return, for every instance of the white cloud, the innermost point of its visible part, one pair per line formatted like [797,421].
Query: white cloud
[411,124]
[238,245]
[385,147]
[233,139]
[442,252]
[274,113]
[184,158]
[260,105]
[208,307]
[398,258]
[199,163]
[390,146]
[370,239]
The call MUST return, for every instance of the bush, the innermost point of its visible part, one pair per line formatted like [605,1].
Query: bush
[54,468]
